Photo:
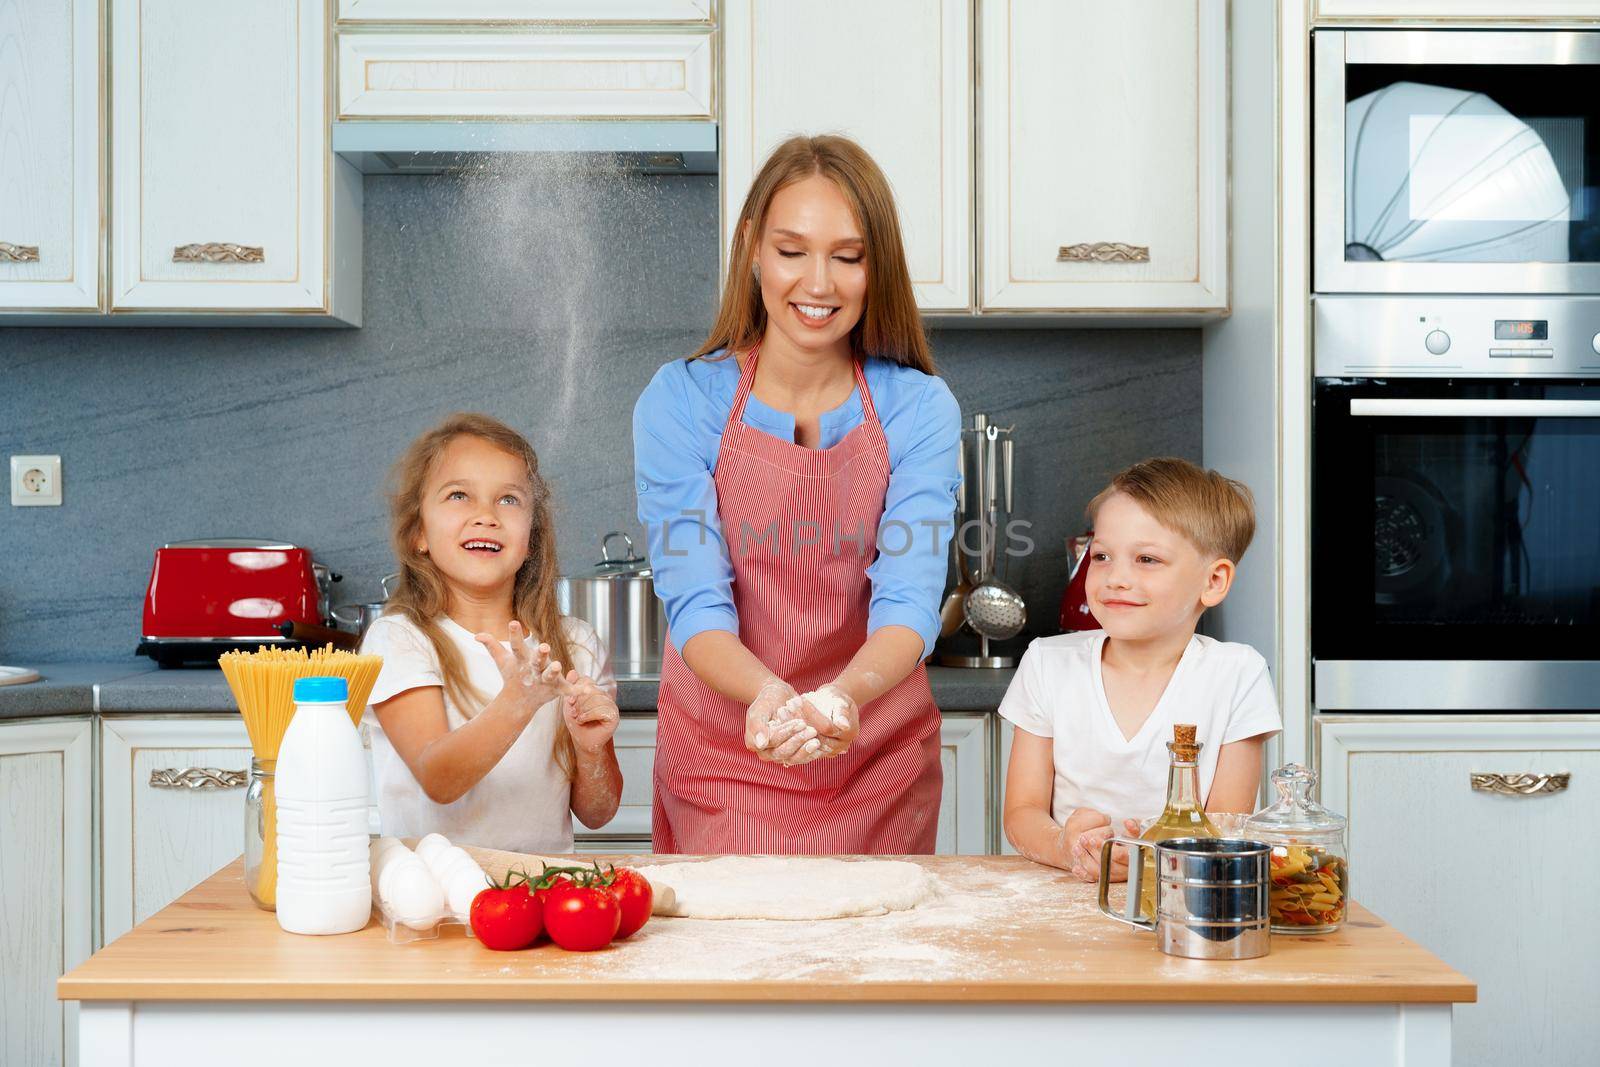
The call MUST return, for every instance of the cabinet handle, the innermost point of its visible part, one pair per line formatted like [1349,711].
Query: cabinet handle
[10,253]
[1520,785]
[199,778]
[219,252]
[1104,252]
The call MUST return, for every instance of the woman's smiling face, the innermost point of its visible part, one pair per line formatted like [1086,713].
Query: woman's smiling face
[813,266]
[476,516]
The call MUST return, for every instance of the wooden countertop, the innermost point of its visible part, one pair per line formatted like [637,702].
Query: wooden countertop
[1004,930]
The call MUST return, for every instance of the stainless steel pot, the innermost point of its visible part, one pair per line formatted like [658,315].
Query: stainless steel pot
[619,601]
[361,616]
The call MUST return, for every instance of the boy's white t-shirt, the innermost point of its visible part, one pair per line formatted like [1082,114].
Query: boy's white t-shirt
[1221,687]
[524,803]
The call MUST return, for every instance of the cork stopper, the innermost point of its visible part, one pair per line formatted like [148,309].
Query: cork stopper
[1184,747]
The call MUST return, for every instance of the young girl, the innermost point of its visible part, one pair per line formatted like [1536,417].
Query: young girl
[478,732]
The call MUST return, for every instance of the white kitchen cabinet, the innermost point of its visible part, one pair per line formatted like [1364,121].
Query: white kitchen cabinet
[898,81]
[504,11]
[1103,157]
[1499,886]
[968,797]
[225,194]
[171,810]
[46,860]
[1007,732]
[629,830]
[463,74]
[50,156]
[1468,11]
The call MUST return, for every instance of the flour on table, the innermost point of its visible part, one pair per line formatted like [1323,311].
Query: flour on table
[798,888]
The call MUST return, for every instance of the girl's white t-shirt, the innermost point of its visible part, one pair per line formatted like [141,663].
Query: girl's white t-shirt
[524,803]
[1221,687]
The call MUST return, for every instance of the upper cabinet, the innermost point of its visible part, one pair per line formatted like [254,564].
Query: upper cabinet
[225,194]
[1103,156]
[899,82]
[1097,132]
[50,156]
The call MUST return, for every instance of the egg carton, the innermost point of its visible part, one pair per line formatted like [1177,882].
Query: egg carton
[418,893]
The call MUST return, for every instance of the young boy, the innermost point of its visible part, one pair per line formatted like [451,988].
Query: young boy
[1094,710]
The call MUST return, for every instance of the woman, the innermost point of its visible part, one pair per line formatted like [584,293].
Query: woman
[796,480]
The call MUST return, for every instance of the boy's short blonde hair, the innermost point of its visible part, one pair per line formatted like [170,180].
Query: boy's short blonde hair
[1216,513]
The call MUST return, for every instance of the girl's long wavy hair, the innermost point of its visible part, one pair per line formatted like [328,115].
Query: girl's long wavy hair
[890,326]
[423,595]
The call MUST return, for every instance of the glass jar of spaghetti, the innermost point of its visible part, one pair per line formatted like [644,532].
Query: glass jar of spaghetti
[260,835]
[1310,890]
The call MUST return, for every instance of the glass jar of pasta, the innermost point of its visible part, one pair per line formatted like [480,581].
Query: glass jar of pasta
[1310,887]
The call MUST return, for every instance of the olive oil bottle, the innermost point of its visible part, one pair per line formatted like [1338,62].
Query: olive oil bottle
[1184,815]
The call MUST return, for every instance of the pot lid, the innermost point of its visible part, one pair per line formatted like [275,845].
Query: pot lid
[632,565]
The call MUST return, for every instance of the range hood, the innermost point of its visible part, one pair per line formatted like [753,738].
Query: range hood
[434,147]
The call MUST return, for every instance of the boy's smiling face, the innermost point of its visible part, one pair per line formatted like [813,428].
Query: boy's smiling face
[1147,581]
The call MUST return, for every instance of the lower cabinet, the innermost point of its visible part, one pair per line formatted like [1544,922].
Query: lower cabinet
[171,810]
[966,809]
[1460,838]
[46,883]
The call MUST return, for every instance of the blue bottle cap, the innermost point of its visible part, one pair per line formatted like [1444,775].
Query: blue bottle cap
[321,690]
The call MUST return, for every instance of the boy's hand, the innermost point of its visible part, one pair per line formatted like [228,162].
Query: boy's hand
[591,716]
[530,676]
[1086,848]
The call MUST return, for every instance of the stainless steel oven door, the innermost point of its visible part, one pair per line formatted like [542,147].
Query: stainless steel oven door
[1456,161]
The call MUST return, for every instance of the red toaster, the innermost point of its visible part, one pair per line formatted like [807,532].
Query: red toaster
[208,597]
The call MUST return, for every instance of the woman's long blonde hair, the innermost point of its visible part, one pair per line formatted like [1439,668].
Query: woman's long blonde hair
[890,326]
[422,595]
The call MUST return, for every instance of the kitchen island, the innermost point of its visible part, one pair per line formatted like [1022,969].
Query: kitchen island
[1010,960]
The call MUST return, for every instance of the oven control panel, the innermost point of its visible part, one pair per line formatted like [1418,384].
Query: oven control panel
[1456,336]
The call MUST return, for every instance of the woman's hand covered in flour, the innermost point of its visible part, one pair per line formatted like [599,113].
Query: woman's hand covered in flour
[530,675]
[836,718]
[590,714]
[769,731]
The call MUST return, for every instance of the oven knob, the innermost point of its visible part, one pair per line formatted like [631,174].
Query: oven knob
[1438,342]
[1595,344]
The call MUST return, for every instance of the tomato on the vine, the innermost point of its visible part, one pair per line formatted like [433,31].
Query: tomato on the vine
[634,896]
[581,918]
[507,916]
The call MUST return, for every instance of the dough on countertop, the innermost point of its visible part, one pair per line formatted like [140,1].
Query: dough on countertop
[781,887]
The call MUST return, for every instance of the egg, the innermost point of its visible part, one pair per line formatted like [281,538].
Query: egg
[410,894]
[431,845]
[442,863]
[462,888]
[384,852]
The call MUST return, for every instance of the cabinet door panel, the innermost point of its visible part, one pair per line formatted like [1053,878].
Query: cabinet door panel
[45,924]
[909,106]
[635,742]
[964,802]
[1481,879]
[159,842]
[581,11]
[50,156]
[1469,11]
[219,141]
[1104,162]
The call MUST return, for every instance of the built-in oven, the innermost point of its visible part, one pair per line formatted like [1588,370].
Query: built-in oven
[1456,161]
[1455,503]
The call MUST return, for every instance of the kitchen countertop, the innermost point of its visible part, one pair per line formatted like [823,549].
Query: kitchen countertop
[1003,929]
[138,685]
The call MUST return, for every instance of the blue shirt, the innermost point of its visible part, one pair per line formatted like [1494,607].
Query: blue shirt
[677,433]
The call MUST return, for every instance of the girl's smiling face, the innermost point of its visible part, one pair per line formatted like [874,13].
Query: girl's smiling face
[476,517]
[1145,580]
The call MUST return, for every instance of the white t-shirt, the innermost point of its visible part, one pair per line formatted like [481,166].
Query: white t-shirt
[524,804]
[1221,687]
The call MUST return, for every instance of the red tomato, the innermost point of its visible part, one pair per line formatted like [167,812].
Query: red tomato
[581,918]
[560,881]
[635,898]
[506,919]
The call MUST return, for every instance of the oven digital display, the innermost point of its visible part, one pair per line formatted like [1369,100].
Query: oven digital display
[1521,329]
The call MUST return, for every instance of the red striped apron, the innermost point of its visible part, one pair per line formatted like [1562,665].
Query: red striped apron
[801,598]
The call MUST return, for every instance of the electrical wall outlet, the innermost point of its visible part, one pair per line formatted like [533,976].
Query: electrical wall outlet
[35,481]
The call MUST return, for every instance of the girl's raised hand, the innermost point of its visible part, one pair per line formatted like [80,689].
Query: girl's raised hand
[529,674]
[590,714]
